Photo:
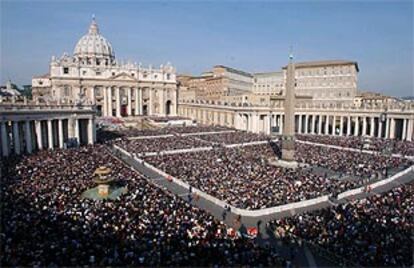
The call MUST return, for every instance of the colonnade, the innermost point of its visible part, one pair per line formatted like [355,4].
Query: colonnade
[327,121]
[25,136]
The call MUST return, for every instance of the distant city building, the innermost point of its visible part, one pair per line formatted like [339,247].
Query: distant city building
[221,81]
[333,81]
[271,83]
[9,90]
[117,88]
[374,99]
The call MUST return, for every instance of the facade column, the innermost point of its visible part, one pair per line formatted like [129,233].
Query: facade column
[141,101]
[105,102]
[118,102]
[319,124]
[129,109]
[334,125]
[28,137]
[364,126]
[77,136]
[16,137]
[379,128]
[161,102]
[306,123]
[404,129]
[90,131]
[93,93]
[326,125]
[136,101]
[341,126]
[281,124]
[356,130]
[348,126]
[392,128]
[61,136]
[50,133]
[313,124]
[372,127]
[4,139]
[109,110]
[149,106]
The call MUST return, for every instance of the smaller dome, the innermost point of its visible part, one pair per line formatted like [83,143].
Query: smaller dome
[93,45]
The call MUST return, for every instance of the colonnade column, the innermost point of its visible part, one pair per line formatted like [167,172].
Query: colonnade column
[326,125]
[16,137]
[364,126]
[410,129]
[334,125]
[387,128]
[372,127]
[319,124]
[300,124]
[392,128]
[50,133]
[379,128]
[28,136]
[313,124]
[129,109]
[4,139]
[341,126]
[356,130]
[61,140]
[348,126]
[306,124]
[38,126]
[117,102]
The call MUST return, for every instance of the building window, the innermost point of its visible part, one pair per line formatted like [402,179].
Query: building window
[168,76]
[132,74]
[65,70]
[83,72]
[40,82]
[98,73]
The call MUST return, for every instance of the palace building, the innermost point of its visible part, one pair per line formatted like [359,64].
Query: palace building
[93,75]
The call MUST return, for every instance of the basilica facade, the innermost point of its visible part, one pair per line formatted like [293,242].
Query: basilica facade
[93,75]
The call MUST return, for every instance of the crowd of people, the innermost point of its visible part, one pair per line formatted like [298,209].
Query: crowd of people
[245,178]
[375,232]
[45,221]
[357,164]
[142,146]
[368,143]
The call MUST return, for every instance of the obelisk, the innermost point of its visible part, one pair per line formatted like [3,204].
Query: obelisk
[288,142]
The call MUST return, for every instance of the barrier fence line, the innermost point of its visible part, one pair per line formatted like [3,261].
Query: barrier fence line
[150,137]
[207,133]
[243,212]
[271,210]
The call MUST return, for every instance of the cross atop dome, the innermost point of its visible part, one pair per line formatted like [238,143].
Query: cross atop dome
[93,29]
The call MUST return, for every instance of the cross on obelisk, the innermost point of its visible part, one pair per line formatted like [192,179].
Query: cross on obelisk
[288,142]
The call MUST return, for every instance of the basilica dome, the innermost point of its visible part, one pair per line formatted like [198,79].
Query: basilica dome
[93,48]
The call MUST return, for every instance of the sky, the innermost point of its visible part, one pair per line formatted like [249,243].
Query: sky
[254,36]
